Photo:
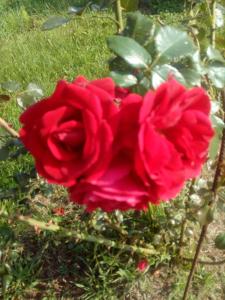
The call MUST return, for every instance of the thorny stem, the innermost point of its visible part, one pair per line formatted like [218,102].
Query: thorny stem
[10,130]
[119,16]
[213,27]
[211,202]
[85,237]
[181,239]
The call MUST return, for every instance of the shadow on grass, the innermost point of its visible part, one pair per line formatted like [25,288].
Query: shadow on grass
[41,6]
[66,268]
[159,6]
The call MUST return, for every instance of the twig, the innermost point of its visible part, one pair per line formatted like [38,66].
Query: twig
[10,130]
[211,202]
[119,16]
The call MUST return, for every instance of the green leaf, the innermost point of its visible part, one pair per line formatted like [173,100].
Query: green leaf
[140,28]
[53,22]
[214,54]
[218,125]
[215,107]
[123,79]
[214,145]
[118,64]
[76,10]
[191,76]
[130,5]
[172,43]
[205,215]
[216,73]
[30,96]
[161,72]
[145,85]
[10,86]
[132,52]
[191,69]
[220,241]
[217,122]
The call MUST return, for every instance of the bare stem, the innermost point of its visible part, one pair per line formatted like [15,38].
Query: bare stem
[10,130]
[213,27]
[213,199]
[195,260]
[119,16]
[181,239]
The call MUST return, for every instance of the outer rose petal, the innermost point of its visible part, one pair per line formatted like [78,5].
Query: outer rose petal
[118,188]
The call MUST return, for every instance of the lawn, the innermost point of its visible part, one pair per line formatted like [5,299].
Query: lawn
[36,264]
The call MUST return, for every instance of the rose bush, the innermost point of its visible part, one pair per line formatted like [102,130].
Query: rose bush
[119,154]
[70,133]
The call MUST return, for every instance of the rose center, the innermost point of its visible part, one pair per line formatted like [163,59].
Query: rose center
[71,140]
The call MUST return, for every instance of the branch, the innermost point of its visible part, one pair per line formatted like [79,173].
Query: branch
[10,130]
[213,27]
[85,237]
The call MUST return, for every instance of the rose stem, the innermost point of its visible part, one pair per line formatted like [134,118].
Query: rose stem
[10,130]
[211,202]
[85,237]
[213,27]
[184,222]
[119,16]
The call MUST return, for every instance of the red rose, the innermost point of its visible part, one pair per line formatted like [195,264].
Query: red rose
[169,133]
[119,188]
[173,138]
[70,133]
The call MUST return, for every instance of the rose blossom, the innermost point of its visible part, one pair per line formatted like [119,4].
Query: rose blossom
[161,141]
[70,133]
[119,187]
[173,137]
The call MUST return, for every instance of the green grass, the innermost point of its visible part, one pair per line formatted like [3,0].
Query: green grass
[43,265]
